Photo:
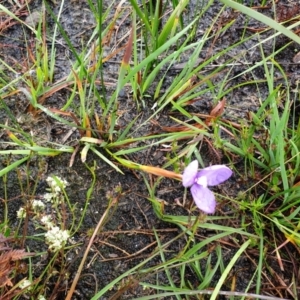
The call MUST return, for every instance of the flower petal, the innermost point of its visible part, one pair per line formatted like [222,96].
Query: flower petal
[204,198]
[189,174]
[215,174]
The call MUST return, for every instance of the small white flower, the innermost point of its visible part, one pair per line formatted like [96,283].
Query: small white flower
[64,182]
[53,183]
[38,205]
[49,180]
[56,186]
[24,284]
[56,189]
[56,238]
[54,198]
[21,213]
[46,220]
[41,297]
[48,197]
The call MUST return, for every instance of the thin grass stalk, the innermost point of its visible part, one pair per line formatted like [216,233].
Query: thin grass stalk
[208,292]
[135,270]
[262,18]
[224,275]
[166,269]
[84,258]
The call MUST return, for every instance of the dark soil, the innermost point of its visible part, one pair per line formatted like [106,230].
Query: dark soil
[128,237]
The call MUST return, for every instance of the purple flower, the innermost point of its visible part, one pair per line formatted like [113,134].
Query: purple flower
[199,182]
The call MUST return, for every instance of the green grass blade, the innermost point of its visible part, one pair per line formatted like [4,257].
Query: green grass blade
[13,166]
[262,18]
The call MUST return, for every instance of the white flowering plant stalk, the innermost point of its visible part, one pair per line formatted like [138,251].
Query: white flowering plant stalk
[50,220]
[56,190]
[55,237]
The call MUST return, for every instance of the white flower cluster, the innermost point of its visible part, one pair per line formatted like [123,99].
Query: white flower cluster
[36,205]
[56,186]
[56,238]
[24,284]
[47,221]
[21,213]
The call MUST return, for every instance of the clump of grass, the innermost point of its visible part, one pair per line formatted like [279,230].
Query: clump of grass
[266,145]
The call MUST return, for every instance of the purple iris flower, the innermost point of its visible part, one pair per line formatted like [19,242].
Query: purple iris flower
[199,182]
